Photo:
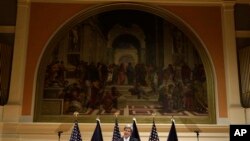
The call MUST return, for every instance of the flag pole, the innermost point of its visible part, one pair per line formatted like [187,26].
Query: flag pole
[75,134]
[197,134]
[116,131]
[97,135]
[59,135]
[153,115]
[172,135]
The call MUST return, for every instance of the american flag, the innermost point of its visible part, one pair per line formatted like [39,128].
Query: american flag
[153,135]
[76,134]
[116,132]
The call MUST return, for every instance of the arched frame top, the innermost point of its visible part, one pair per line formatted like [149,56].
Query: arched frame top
[119,30]
[161,12]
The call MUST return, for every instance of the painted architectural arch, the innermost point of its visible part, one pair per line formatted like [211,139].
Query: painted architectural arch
[169,73]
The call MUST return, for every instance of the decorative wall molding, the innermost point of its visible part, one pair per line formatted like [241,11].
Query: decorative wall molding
[182,2]
[7,29]
[243,33]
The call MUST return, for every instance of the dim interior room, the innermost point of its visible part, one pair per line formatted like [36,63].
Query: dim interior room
[71,66]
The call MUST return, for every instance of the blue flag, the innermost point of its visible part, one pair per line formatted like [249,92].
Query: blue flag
[172,136]
[76,134]
[135,132]
[97,135]
[153,135]
[116,132]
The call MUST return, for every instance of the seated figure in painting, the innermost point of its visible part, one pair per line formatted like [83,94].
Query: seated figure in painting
[54,75]
[72,99]
[137,90]
[97,91]
[108,102]
[115,94]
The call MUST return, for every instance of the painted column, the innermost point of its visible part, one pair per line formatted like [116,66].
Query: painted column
[167,45]
[142,55]
[12,111]
[235,111]
[85,47]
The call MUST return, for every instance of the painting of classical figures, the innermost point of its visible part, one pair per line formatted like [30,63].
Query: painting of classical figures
[128,62]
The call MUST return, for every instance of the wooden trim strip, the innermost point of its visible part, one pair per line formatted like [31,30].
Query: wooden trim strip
[7,29]
[243,33]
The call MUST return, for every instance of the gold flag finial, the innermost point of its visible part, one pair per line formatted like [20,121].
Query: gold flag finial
[153,115]
[75,114]
[116,114]
[134,118]
[97,118]
[172,119]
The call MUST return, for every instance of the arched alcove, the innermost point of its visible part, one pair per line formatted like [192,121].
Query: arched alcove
[126,46]
[158,46]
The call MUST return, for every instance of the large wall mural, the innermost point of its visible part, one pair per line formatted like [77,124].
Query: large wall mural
[6,52]
[124,62]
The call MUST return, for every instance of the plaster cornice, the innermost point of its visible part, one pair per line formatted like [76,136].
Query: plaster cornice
[182,2]
[187,2]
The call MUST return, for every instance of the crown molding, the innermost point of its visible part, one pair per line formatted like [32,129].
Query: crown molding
[144,1]
[185,2]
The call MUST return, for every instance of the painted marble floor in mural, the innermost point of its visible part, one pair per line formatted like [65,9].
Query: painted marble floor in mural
[147,104]
[131,102]
[143,110]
